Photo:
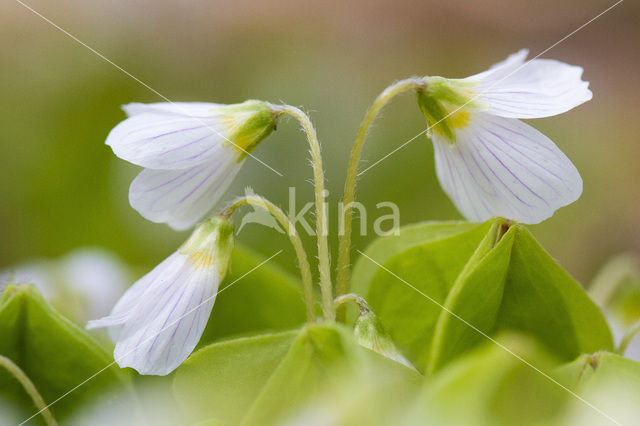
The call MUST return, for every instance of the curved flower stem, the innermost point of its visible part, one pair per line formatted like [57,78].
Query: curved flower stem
[303,261]
[322,222]
[352,297]
[30,388]
[628,337]
[344,248]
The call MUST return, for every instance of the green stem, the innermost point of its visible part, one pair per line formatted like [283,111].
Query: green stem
[352,297]
[30,388]
[303,261]
[344,247]
[322,222]
[628,337]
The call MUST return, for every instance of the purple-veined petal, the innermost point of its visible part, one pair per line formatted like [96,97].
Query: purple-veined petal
[539,88]
[167,324]
[182,197]
[127,303]
[158,322]
[157,136]
[504,167]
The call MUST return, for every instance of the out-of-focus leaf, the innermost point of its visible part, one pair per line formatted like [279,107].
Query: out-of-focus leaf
[591,370]
[616,289]
[55,354]
[489,386]
[609,383]
[223,379]
[267,299]
[492,275]
[264,379]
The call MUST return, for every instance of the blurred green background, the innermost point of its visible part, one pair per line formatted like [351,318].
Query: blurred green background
[61,187]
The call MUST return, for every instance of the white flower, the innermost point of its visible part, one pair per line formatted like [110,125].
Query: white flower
[489,162]
[158,322]
[191,153]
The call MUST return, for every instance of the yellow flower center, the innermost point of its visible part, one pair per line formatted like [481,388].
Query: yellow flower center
[201,259]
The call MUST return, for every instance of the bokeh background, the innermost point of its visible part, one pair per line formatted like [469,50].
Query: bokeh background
[61,187]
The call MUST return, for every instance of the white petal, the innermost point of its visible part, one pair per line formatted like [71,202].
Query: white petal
[502,69]
[191,109]
[538,88]
[126,305]
[158,136]
[504,167]
[167,325]
[182,197]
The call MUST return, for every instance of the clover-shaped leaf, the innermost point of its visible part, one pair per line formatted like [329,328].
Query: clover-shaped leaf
[481,279]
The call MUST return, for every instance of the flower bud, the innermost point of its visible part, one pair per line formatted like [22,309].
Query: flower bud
[370,333]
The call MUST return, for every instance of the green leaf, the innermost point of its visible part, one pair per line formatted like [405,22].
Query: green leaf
[493,276]
[54,353]
[481,283]
[489,386]
[261,379]
[542,299]
[237,369]
[266,299]
[429,257]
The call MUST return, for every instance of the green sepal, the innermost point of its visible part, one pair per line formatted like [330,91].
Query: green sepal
[211,244]
[249,123]
[445,104]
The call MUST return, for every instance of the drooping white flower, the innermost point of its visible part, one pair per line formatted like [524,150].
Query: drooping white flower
[157,323]
[489,162]
[191,153]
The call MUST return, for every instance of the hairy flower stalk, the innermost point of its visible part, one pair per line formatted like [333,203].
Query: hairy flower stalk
[303,261]
[158,322]
[191,152]
[344,244]
[322,220]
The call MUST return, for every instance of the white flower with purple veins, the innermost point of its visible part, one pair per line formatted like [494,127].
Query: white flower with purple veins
[489,162]
[158,322]
[191,153]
